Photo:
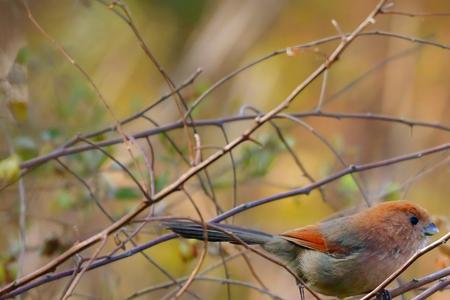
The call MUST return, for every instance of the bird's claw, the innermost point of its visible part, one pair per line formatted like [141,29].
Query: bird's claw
[384,295]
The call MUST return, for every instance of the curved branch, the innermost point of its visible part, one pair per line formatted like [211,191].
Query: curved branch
[34,162]
[241,208]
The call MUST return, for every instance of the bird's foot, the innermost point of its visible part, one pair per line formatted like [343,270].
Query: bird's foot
[384,295]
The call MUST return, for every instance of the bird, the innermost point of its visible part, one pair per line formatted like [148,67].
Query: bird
[341,257]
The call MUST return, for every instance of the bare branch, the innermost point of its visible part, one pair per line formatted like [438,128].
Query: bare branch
[405,266]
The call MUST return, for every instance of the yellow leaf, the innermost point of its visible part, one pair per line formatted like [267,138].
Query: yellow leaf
[9,169]
[18,109]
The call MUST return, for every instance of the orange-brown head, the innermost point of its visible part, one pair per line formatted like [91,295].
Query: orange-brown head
[398,220]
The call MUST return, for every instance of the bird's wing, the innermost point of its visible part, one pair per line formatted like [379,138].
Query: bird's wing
[310,237]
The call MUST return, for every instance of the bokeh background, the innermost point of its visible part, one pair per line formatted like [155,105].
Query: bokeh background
[45,101]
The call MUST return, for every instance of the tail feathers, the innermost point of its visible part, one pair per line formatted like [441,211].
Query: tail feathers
[191,230]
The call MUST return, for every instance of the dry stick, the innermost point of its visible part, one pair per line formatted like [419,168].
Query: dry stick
[409,38]
[325,40]
[233,168]
[417,283]
[376,67]
[234,203]
[189,81]
[424,171]
[180,153]
[143,205]
[129,20]
[400,270]
[170,284]
[225,270]
[440,285]
[83,270]
[204,250]
[331,148]
[262,254]
[259,252]
[412,14]
[129,237]
[291,152]
[151,168]
[309,45]
[218,210]
[137,165]
[123,167]
[88,188]
[209,193]
[62,50]
[259,121]
[253,271]
[322,90]
[34,162]
[350,169]
[297,160]
[211,279]
[79,263]
[198,158]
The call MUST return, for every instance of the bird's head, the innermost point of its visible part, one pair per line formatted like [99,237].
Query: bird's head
[401,220]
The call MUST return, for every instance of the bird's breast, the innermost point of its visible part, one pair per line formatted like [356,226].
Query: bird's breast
[349,275]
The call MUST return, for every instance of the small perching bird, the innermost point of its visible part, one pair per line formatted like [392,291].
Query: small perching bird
[342,257]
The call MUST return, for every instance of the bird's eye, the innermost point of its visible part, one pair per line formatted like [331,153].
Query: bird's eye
[414,220]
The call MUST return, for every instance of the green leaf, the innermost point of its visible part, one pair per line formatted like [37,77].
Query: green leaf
[126,193]
[392,192]
[347,184]
[338,143]
[51,134]
[22,56]
[161,181]
[257,161]
[2,273]
[25,147]
[65,200]
[18,109]
[99,138]
[9,169]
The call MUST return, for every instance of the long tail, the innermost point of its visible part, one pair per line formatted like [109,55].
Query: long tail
[193,230]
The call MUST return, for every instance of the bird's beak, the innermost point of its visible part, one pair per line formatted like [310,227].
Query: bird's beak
[430,229]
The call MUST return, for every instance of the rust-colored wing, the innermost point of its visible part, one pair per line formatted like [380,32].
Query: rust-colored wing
[310,237]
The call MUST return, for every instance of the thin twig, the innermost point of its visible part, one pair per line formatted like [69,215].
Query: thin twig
[83,270]
[211,279]
[179,100]
[322,90]
[439,286]
[16,285]
[417,283]
[220,121]
[289,149]
[414,14]
[405,266]
[309,45]
[334,151]
[88,188]
[202,254]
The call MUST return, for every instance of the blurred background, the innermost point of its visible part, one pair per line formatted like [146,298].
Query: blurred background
[45,101]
